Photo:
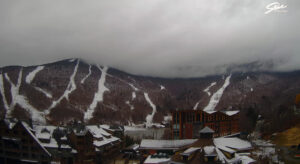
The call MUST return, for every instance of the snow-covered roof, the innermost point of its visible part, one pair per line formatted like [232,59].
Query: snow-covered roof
[152,160]
[97,132]
[190,150]
[224,148]
[233,143]
[206,130]
[231,113]
[209,151]
[165,144]
[106,127]
[10,123]
[210,111]
[26,126]
[46,132]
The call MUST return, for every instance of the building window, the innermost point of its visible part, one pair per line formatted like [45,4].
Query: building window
[198,117]
[176,126]
[190,117]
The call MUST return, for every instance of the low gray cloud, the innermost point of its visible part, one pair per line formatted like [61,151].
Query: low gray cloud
[166,38]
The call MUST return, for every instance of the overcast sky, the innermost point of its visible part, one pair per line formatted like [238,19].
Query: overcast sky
[166,38]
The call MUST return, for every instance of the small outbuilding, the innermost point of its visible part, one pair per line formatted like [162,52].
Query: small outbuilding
[206,132]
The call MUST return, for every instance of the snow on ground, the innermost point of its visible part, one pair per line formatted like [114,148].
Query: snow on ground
[70,88]
[49,95]
[196,105]
[90,72]
[2,91]
[167,118]
[251,89]
[207,89]
[149,118]
[215,98]
[265,149]
[133,87]
[98,97]
[162,87]
[131,106]
[133,95]
[72,60]
[21,100]
[32,74]
[172,144]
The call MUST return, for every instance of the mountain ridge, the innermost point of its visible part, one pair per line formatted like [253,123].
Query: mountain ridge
[125,101]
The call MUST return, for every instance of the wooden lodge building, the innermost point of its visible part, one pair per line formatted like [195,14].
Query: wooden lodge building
[22,142]
[186,124]
[18,144]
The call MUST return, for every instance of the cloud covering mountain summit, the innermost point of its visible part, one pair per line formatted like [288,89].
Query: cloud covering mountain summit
[151,37]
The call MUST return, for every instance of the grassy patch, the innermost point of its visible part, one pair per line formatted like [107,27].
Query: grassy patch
[289,137]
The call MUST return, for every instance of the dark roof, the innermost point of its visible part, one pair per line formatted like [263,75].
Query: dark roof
[206,130]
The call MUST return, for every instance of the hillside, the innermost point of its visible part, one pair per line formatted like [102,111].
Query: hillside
[73,89]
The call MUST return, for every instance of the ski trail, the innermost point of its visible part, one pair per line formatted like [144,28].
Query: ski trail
[98,97]
[131,106]
[70,88]
[149,118]
[215,98]
[133,87]
[90,72]
[2,91]
[196,105]
[22,100]
[207,89]
[133,95]
[32,74]
[47,94]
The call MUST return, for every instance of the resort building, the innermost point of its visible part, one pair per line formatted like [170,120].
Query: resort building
[186,124]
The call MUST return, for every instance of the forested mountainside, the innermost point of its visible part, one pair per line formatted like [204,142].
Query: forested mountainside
[73,89]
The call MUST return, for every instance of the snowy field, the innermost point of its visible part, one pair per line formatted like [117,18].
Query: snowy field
[140,133]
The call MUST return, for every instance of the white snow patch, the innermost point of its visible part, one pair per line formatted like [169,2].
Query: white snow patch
[196,105]
[32,74]
[72,60]
[22,100]
[149,118]
[251,89]
[231,113]
[2,91]
[162,87]
[215,98]
[168,118]
[70,88]
[208,150]
[234,143]
[49,95]
[133,95]
[133,87]
[90,72]
[131,106]
[98,97]
[151,160]
[248,77]
[207,89]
